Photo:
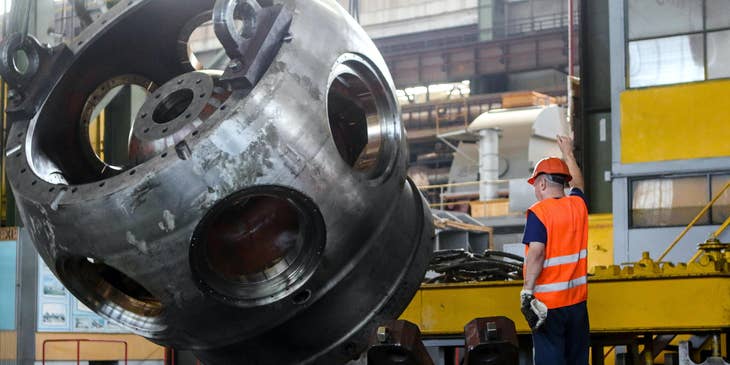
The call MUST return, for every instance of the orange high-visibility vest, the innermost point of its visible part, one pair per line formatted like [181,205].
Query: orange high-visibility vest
[563,280]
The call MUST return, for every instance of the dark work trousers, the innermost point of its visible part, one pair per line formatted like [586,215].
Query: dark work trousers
[564,339]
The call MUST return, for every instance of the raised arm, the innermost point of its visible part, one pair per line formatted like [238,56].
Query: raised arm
[566,147]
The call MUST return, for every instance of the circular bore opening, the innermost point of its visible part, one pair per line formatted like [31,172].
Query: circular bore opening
[173,106]
[258,246]
[204,50]
[21,61]
[362,117]
[111,121]
[107,290]
[252,237]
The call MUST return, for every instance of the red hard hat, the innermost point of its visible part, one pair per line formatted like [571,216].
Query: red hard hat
[552,166]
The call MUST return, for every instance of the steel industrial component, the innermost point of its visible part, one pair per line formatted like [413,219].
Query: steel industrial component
[259,208]
[715,359]
[398,342]
[491,341]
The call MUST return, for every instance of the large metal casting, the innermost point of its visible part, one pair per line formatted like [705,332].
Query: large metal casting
[262,215]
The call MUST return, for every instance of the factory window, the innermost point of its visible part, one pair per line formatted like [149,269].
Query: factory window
[668,202]
[692,47]
[721,208]
[718,14]
[718,52]
[664,61]
[649,18]
[675,201]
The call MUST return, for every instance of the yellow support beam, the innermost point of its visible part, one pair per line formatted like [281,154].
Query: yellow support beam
[659,304]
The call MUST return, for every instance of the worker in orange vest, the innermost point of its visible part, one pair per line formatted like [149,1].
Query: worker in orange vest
[554,293]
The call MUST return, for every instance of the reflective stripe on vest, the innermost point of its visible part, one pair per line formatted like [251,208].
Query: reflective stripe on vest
[565,285]
[568,259]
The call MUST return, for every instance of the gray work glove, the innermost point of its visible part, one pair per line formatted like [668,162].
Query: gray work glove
[533,309]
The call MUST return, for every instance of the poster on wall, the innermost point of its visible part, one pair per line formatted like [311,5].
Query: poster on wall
[54,315]
[59,311]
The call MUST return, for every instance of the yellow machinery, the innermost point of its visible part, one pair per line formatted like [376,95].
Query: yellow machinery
[644,305]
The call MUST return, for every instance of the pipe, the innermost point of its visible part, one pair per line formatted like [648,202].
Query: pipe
[505,119]
[571,41]
[355,9]
[488,163]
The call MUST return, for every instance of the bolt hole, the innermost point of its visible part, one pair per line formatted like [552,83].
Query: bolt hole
[102,184]
[195,133]
[302,297]
[164,155]
[74,190]
[164,130]
[144,115]
[146,130]
[223,107]
[34,182]
[198,81]
[80,43]
[20,134]
[132,172]
[51,190]
[22,171]
[179,82]
[187,116]
[202,95]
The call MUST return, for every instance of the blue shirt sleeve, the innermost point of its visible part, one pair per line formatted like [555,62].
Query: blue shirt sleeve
[579,193]
[535,231]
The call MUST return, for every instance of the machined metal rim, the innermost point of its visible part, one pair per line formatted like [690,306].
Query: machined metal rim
[382,122]
[284,276]
[110,292]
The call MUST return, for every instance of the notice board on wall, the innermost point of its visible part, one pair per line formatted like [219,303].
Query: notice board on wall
[59,311]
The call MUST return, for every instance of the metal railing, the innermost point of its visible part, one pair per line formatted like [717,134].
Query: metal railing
[78,347]
[513,28]
[442,189]
[526,25]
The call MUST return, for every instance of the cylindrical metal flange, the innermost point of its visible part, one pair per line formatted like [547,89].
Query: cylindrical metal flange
[250,216]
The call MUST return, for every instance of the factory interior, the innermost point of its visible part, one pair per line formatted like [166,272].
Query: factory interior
[234,182]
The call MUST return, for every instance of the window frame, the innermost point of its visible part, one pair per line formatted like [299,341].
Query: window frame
[704,31]
[708,179]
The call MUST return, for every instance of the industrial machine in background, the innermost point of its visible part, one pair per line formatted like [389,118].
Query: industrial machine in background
[499,150]
[252,209]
